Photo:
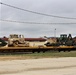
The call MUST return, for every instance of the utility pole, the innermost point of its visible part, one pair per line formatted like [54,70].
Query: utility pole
[55,32]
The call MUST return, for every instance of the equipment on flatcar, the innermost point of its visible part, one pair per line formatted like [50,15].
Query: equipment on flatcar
[63,40]
[2,43]
[16,40]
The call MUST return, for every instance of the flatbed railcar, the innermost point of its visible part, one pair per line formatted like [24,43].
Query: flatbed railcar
[18,44]
[36,49]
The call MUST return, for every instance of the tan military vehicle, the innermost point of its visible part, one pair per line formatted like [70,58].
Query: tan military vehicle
[16,40]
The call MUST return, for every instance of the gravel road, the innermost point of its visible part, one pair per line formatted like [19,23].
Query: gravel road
[45,66]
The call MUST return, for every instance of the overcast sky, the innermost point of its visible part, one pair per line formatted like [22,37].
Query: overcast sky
[65,8]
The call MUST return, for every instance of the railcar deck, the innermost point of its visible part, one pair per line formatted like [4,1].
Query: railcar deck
[36,49]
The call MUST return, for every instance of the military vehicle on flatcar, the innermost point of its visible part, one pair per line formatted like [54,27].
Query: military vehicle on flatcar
[2,43]
[63,40]
[16,40]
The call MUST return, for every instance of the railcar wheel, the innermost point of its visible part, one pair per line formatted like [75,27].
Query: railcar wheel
[59,50]
[68,50]
[64,50]
[38,51]
[33,51]
[43,51]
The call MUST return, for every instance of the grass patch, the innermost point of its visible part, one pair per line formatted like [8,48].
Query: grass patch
[54,54]
[37,55]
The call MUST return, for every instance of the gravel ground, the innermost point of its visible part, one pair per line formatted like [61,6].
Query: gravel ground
[45,66]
